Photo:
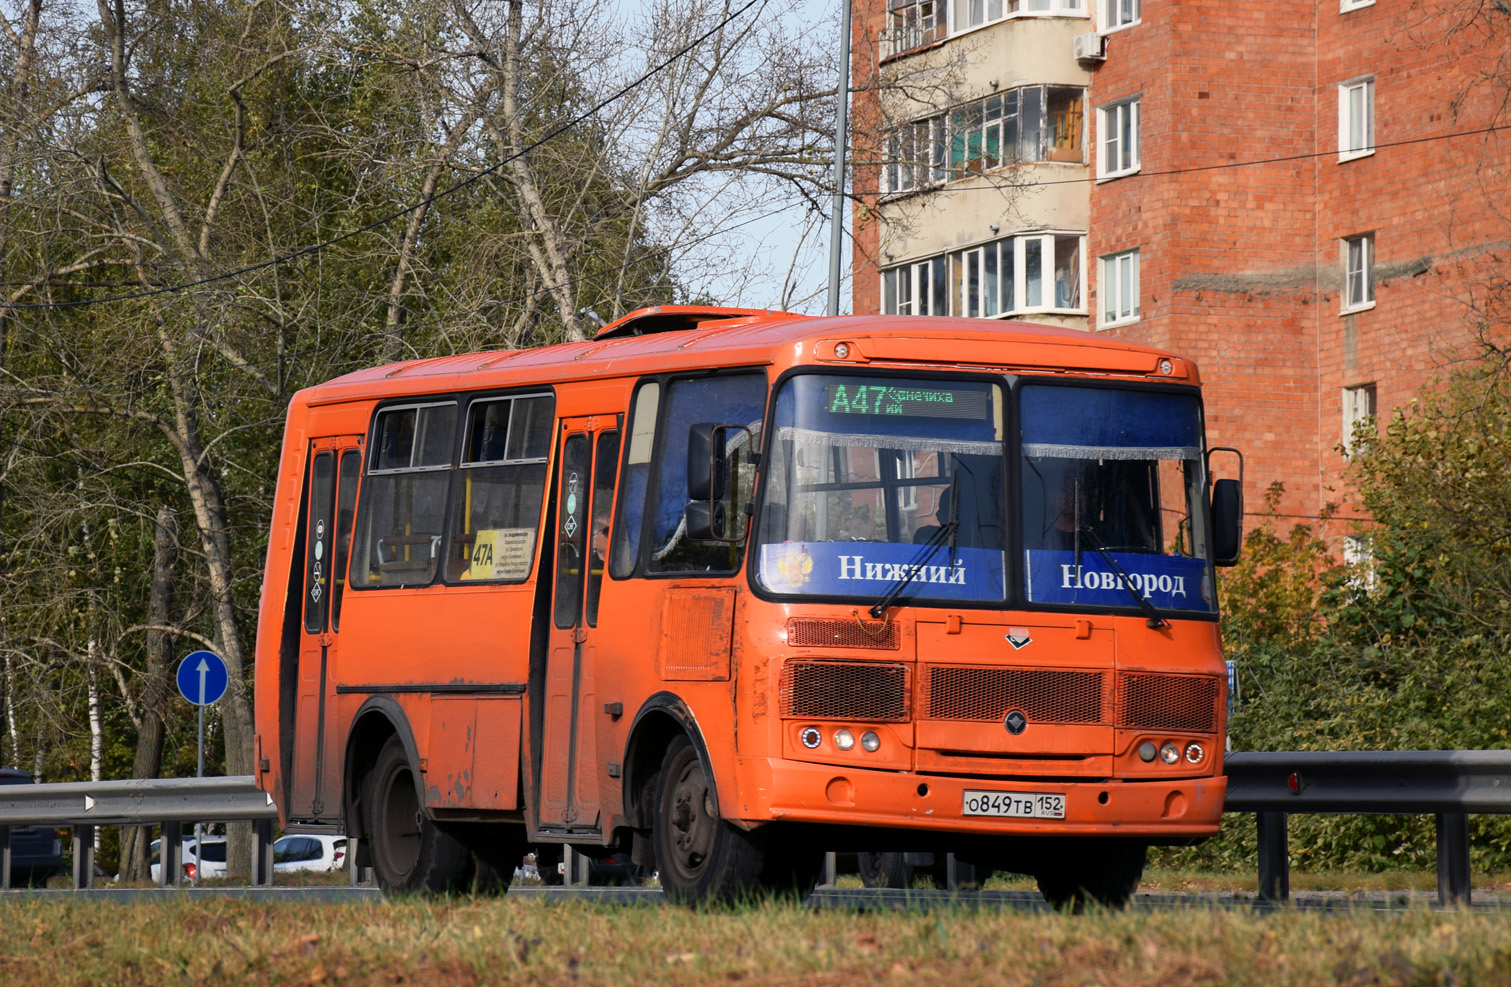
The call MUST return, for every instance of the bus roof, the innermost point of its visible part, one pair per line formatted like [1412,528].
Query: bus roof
[691,338]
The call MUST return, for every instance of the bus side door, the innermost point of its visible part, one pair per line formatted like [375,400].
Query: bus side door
[569,784]
[335,469]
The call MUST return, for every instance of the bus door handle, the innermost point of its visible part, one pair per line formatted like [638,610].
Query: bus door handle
[579,634]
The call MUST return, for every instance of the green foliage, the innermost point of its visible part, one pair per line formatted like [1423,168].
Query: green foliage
[1272,593]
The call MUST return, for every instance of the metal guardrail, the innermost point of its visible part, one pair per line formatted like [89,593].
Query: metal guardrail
[1447,784]
[169,802]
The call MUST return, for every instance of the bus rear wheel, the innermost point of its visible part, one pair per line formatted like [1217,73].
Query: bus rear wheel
[701,858]
[884,870]
[1101,871]
[409,851]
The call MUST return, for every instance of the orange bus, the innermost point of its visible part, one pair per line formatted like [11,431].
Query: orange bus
[722,588]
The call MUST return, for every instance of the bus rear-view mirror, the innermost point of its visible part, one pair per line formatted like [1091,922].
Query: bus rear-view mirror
[707,521]
[707,465]
[1227,521]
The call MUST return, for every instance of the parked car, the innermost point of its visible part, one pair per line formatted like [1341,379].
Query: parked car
[212,857]
[36,851]
[301,852]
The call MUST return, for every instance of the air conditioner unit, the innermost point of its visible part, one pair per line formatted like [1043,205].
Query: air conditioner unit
[1089,47]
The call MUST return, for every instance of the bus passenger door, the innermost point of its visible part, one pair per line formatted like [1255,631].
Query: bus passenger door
[335,467]
[569,783]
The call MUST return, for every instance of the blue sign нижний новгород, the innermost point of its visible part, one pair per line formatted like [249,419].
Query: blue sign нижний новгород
[1169,582]
[202,677]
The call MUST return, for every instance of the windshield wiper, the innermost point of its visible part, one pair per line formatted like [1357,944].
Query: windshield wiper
[946,530]
[1155,619]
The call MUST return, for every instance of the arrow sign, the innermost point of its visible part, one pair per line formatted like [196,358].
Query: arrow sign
[202,678]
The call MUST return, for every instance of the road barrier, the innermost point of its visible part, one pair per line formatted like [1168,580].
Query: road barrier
[169,802]
[1272,785]
[1447,784]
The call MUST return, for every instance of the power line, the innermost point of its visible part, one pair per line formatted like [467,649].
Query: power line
[1310,155]
[464,183]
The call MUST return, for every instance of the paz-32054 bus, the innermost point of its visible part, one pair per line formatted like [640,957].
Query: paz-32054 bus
[723,588]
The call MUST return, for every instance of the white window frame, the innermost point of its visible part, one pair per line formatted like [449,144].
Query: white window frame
[914,24]
[913,278]
[1359,561]
[1344,6]
[1044,244]
[1118,289]
[1118,139]
[1111,13]
[1356,118]
[1358,405]
[1358,256]
[964,13]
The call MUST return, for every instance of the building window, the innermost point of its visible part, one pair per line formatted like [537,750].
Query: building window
[1358,416]
[1117,134]
[1119,288]
[915,23]
[1344,6]
[1358,273]
[974,13]
[916,288]
[1038,272]
[915,156]
[1118,14]
[1359,562]
[1356,119]
[1031,123]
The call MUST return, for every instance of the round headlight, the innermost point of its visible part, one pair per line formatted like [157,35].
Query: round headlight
[1166,367]
[811,737]
[844,739]
[1195,752]
[1146,751]
[1169,753]
[870,741]
[841,350]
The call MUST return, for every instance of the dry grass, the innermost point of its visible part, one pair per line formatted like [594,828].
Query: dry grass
[534,941]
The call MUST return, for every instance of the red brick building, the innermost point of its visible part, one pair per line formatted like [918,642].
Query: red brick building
[1301,197]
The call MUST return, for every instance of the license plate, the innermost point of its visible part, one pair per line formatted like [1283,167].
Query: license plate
[1018,805]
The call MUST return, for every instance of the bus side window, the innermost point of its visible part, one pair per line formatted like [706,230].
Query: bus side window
[346,509]
[725,399]
[403,510]
[605,463]
[637,466]
[495,517]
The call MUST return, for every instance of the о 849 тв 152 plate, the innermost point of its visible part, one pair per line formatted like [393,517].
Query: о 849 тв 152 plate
[1020,805]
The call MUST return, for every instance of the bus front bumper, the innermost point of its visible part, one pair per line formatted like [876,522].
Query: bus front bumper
[772,790]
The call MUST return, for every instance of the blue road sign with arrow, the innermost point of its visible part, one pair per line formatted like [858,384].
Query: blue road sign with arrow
[202,677]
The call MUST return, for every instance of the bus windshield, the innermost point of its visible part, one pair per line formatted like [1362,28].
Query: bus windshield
[865,472]
[1113,488]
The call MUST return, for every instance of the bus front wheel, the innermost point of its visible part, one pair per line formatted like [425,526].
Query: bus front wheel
[409,851]
[701,858]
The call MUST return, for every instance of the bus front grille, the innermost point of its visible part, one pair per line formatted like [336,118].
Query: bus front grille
[844,690]
[830,632]
[1044,695]
[1152,701]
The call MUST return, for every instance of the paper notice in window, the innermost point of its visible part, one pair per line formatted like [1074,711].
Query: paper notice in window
[502,553]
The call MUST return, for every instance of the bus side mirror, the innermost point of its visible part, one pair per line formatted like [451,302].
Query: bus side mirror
[1227,521]
[707,465]
[707,521]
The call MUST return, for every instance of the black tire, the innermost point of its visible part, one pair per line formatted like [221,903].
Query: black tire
[791,869]
[701,858]
[1101,871]
[410,853]
[497,849]
[885,870]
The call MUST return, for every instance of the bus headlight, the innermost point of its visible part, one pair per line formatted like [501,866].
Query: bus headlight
[1195,752]
[1169,753]
[811,737]
[844,739]
[870,741]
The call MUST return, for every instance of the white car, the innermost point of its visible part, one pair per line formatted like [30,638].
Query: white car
[212,856]
[301,852]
